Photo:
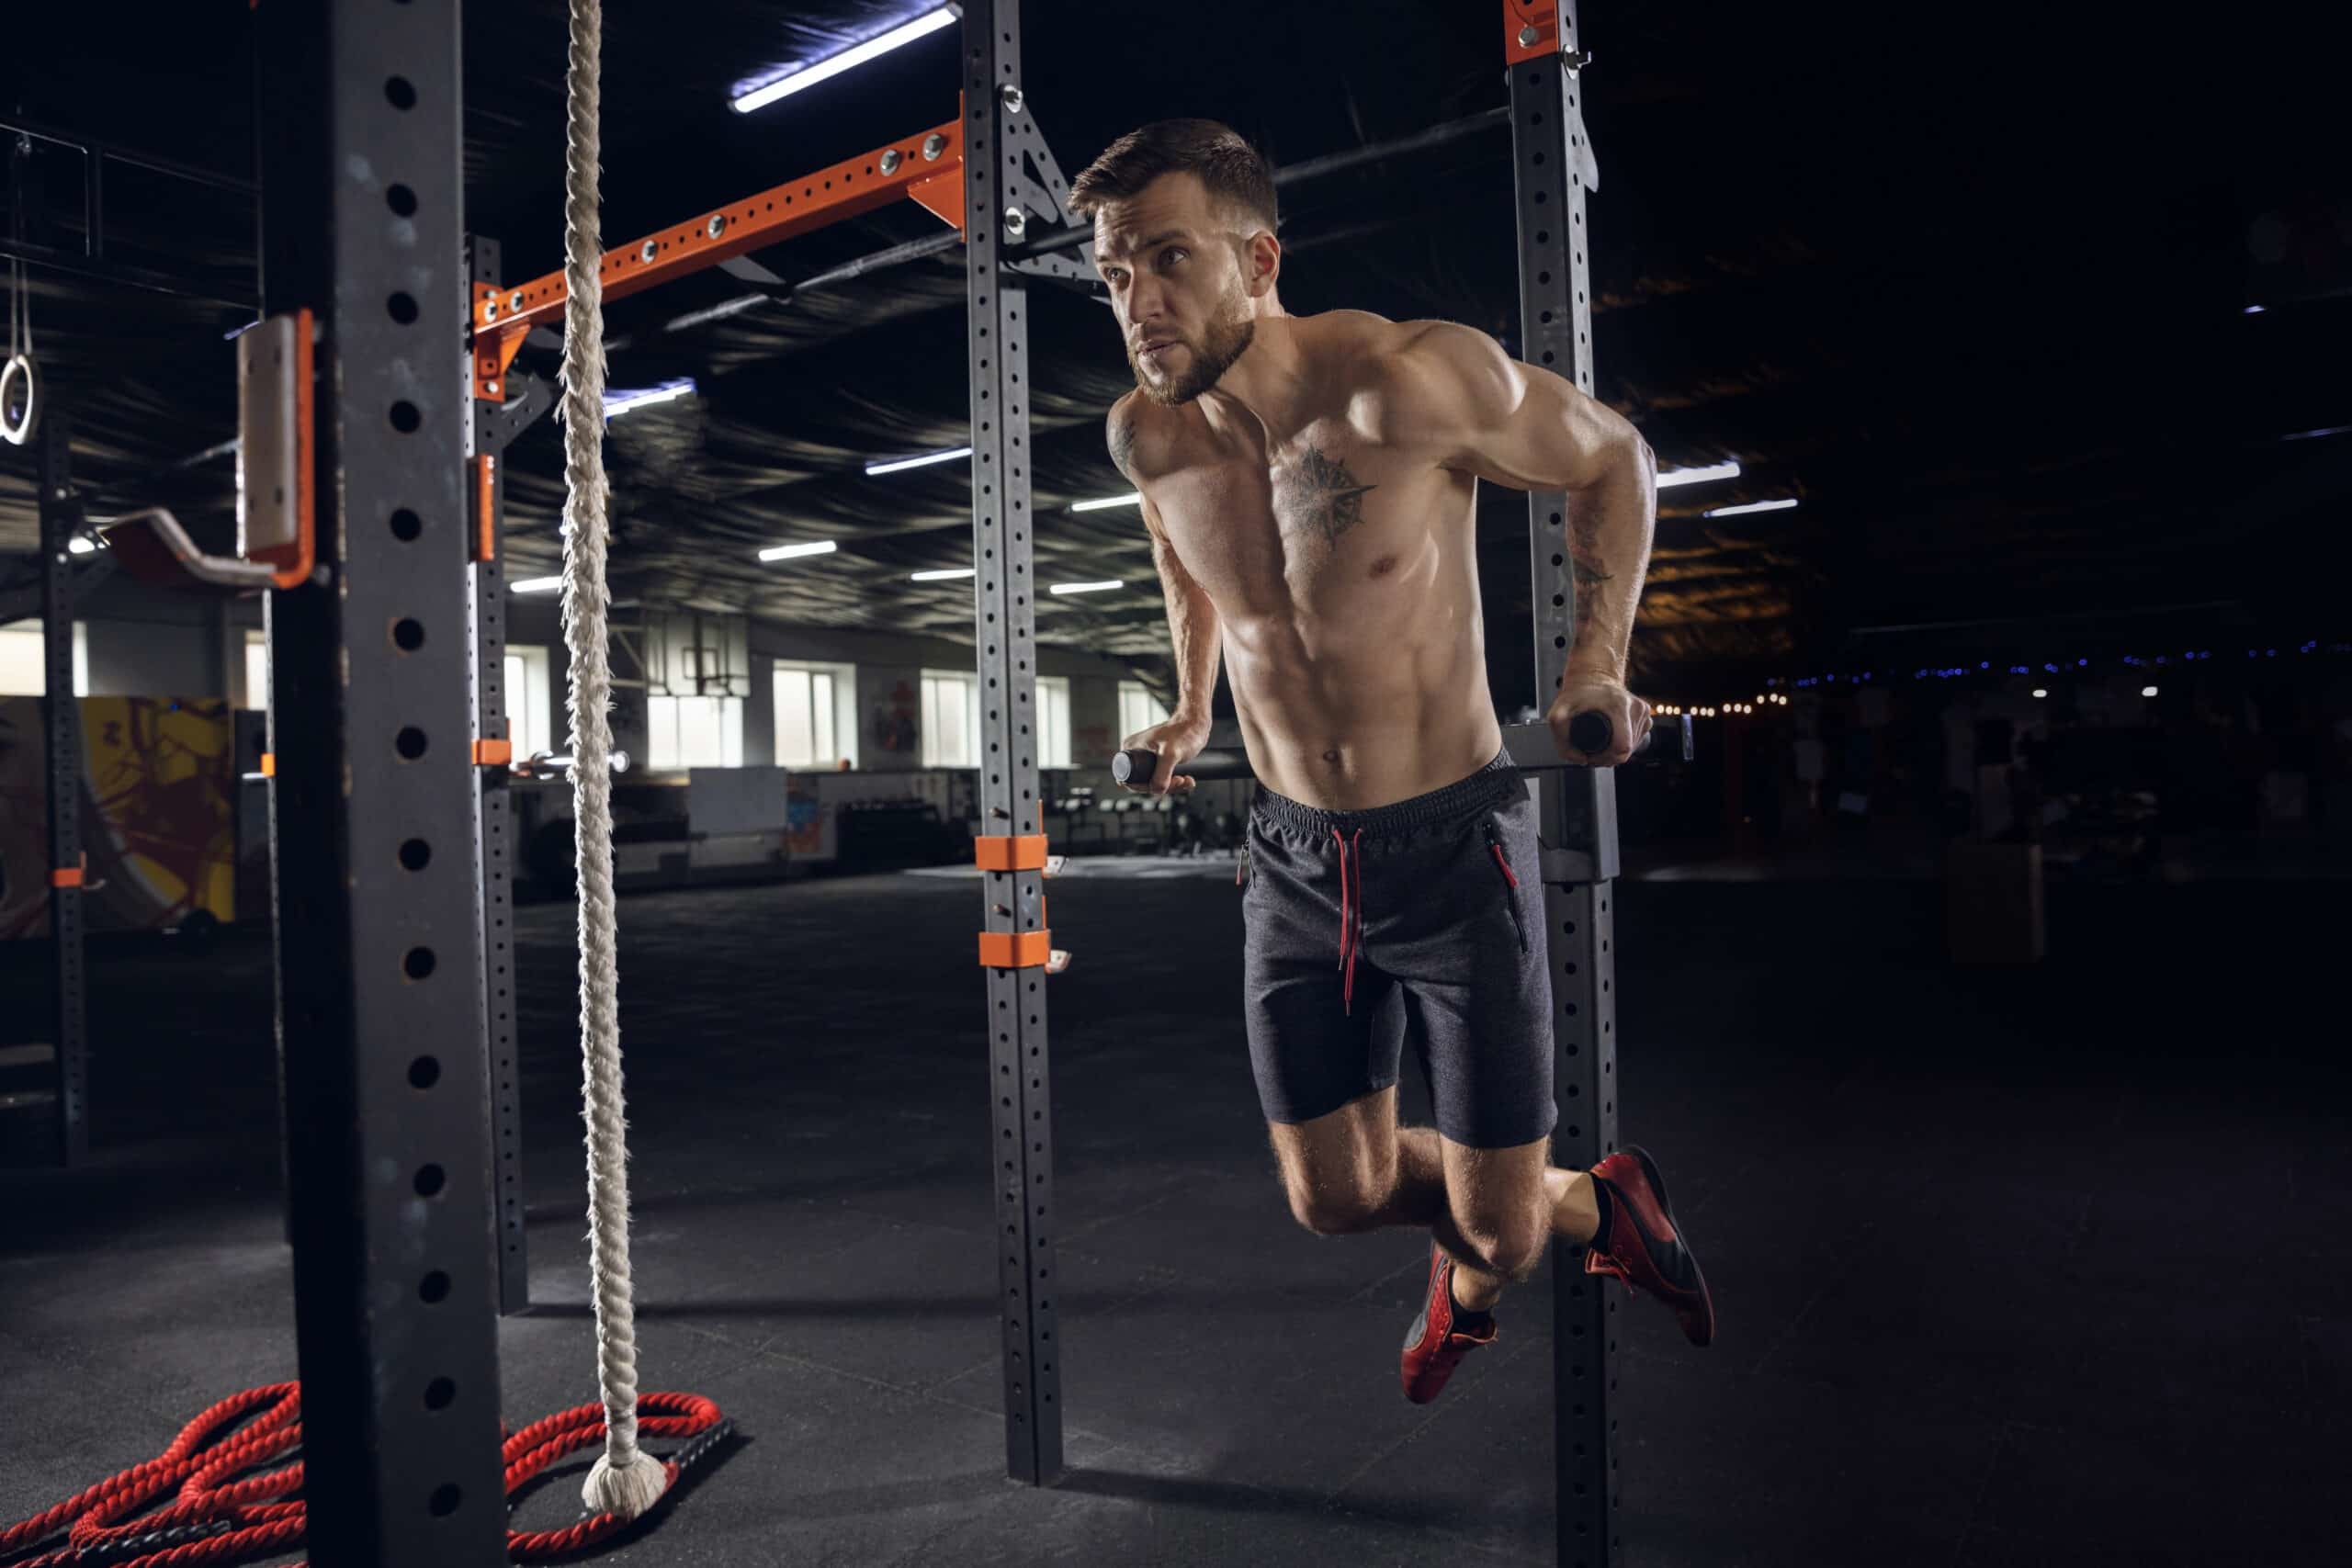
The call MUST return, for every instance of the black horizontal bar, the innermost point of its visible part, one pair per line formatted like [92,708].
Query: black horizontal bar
[136,160]
[129,276]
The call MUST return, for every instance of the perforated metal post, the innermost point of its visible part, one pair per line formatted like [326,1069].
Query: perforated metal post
[377,821]
[1552,169]
[61,519]
[1004,629]
[489,431]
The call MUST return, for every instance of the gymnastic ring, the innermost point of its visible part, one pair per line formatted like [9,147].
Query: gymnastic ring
[20,367]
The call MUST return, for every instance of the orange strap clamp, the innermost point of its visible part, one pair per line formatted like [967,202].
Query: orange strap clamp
[1531,30]
[493,753]
[71,875]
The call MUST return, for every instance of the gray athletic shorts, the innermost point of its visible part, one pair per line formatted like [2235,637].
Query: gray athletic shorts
[1423,918]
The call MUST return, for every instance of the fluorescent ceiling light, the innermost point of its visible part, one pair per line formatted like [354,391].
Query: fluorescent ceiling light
[892,465]
[1131,498]
[848,59]
[791,552]
[2254,310]
[537,584]
[80,546]
[1086,587]
[1751,506]
[1698,476]
[940,576]
[618,403]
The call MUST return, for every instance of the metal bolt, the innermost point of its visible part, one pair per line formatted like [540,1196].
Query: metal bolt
[1012,96]
[490,387]
[1527,37]
[645,253]
[716,226]
[1016,222]
[932,146]
[890,161]
[490,310]
[514,300]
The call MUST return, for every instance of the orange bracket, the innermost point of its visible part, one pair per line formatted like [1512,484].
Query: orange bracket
[485,508]
[998,852]
[927,168]
[1531,30]
[493,753]
[1016,950]
[269,764]
[71,875]
[293,563]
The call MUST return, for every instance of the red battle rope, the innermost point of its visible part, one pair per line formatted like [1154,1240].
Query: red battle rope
[202,1515]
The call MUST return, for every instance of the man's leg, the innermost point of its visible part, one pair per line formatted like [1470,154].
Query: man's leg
[1508,1205]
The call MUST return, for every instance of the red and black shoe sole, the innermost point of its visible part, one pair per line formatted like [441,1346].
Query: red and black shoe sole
[1705,1309]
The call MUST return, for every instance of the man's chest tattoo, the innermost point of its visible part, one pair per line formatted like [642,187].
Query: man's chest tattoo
[1319,493]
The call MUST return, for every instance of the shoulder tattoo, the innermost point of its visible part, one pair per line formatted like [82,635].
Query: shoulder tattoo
[1122,438]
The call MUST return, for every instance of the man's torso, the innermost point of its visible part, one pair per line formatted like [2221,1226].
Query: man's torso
[1341,560]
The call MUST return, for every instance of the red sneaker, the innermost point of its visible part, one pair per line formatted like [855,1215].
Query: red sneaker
[1643,1245]
[1433,1348]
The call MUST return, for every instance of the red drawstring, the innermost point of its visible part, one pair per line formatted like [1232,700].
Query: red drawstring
[1350,915]
[1501,861]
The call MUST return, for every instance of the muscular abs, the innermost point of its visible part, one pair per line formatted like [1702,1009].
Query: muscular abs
[1344,576]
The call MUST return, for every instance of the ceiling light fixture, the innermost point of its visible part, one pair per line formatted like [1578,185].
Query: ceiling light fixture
[536,584]
[1086,587]
[618,403]
[1131,498]
[1751,506]
[850,59]
[940,576]
[1673,476]
[892,465]
[793,552]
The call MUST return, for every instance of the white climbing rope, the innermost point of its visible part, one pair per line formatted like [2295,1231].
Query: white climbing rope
[625,1481]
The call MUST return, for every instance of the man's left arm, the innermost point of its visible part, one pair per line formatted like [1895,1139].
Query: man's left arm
[1526,428]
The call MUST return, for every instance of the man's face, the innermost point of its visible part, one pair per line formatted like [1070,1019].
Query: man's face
[1173,265]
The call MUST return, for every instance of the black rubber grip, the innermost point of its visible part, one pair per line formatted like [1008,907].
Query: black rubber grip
[1590,733]
[1139,764]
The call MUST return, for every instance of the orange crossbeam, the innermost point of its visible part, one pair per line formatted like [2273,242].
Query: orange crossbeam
[903,169]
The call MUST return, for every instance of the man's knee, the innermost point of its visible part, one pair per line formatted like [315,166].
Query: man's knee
[1329,1210]
[1511,1248]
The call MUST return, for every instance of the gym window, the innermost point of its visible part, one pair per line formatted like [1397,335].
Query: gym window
[694,732]
[530,702]
[1139,709]
[1053,721]
[816,714]
[21,670]
[951,719]
[257,695]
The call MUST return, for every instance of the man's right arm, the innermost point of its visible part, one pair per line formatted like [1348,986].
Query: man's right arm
[1193,627]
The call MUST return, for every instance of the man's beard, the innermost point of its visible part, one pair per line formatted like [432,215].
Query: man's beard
[1205,362]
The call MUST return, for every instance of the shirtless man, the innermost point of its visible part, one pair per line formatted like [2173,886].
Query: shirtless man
[1309,486]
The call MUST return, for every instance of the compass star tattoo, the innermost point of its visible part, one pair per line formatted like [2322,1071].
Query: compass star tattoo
[1320,492]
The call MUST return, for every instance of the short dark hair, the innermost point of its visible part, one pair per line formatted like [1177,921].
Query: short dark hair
[1236,175]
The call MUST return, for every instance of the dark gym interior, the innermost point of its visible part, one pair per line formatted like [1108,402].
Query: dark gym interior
[1968,974]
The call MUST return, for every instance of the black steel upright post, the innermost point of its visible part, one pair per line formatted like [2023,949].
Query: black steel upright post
[376,842]
[489,431]
[61,520]
[1004,630]
[1552,170]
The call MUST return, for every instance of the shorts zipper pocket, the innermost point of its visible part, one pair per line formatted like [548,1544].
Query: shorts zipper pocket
[1502,859]
[1241,867]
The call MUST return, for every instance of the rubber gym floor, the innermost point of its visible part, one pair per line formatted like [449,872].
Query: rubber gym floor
[2014,1268]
